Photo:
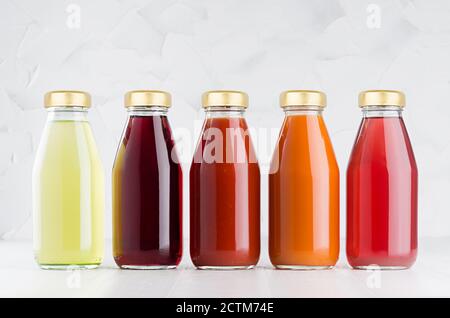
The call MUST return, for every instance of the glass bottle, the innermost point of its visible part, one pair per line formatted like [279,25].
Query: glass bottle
[68,187]
[303,187]
[224,187]
[382,187]
[147,187]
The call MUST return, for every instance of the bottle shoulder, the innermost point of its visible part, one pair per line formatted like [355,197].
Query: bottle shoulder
[147,141]
[302,140]
[382,141]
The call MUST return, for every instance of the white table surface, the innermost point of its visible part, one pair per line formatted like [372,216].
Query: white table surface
[20,277]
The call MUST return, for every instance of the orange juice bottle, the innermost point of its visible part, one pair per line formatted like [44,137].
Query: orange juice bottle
[303,187]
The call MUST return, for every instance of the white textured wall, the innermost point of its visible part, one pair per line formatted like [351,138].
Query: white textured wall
[187,47]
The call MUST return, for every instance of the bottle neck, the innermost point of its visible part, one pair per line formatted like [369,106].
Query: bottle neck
[303,110]
[381,111]
[147,111]
[224,112]
[67,114]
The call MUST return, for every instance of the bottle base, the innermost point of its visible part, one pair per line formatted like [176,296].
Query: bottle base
[67,267]
[225,268]
[148,267]
[303,267]
[379,267]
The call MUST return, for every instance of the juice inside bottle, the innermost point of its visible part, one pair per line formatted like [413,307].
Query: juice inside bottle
[224,188]
[303,188]
[382,187]
[68,193]
[147,188]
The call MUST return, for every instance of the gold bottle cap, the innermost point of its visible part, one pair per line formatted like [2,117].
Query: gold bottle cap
[225,98]
[381,98]
[303,98]
[67,99]
[148,98]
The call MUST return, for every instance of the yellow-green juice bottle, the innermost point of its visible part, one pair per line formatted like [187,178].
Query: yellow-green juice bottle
[68,187]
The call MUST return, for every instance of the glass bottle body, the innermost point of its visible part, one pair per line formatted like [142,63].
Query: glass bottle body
[147,193]
[224,194]
[304,194]
[68,193]
[382,193]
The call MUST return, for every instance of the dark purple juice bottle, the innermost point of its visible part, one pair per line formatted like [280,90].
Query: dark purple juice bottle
[147,187]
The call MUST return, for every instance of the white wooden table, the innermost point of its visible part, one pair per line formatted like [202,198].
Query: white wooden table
[20,277]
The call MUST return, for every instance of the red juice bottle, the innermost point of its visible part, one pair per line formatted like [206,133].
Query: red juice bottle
[147,187]
[382,187]
[225,188]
